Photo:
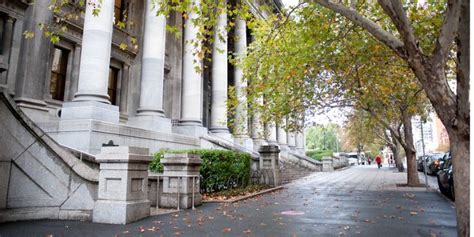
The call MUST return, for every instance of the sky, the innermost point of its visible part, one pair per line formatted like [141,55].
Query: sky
[289,3]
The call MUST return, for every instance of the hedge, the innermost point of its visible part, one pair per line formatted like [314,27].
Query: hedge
[220,169]
[318,154]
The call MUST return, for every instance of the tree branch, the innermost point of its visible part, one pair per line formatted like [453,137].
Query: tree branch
[394,9]
[373,28]
[448,32]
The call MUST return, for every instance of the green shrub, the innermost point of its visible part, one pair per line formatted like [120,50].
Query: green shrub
[155,164]
[318,154]
[220,169]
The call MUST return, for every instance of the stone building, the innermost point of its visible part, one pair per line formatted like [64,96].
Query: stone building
[86,90]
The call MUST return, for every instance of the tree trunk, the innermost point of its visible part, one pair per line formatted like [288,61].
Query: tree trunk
[396,155]
[460,137]
[460,154]
[412,172]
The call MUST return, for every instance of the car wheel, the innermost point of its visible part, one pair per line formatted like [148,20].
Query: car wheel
[441,189]
[451,192]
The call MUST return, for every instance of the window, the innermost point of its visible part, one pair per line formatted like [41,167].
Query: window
[119,10]
[112,88]
[58,73]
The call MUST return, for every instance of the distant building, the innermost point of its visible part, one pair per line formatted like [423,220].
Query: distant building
[435,136]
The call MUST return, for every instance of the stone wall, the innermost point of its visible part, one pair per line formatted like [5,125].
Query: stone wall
[38,178]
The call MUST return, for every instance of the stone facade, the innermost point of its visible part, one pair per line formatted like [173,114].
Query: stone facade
[147,95]
[85,91]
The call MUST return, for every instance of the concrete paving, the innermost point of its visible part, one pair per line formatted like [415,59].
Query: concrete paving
[359,201]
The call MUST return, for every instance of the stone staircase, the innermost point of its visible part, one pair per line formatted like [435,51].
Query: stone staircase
[290,171]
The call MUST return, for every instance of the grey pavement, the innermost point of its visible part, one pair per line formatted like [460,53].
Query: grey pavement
[359,201]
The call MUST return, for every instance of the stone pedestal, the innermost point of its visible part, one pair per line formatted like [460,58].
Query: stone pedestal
[123,185]
[154,123]
[327,164]
[244,141]
[94,110]
[269,156]
[192,130]
[180,179]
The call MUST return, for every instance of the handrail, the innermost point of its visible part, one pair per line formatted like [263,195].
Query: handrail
[193,176]
[230,145]
[81,153]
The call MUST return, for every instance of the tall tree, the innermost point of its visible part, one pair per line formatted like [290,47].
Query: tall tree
[421,35]
[430,67]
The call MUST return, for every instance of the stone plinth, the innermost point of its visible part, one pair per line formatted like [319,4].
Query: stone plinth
[180,176]
[327,164]
[269,156]
[79,110]
[154,123]
[123,185]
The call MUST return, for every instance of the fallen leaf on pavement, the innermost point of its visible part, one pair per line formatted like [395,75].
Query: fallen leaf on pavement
[248,231]
[226,230]
[413,213]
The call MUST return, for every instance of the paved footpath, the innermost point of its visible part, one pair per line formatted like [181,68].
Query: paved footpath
[359,201]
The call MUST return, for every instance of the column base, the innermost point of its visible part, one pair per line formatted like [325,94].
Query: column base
[151,122]
[222,133]
[120,212]
[192,130]
[284,148]
[90,110]
[257,142]
[36,110]
[270,142]
[244,141]
[301,151]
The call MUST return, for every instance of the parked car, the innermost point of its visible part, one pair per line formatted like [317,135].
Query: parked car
[445,177]
[420,166]
[352,161]
[446,156]
[433,163]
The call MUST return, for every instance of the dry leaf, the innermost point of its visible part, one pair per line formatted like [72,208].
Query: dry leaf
[226,230]
[248,231]
[413,213]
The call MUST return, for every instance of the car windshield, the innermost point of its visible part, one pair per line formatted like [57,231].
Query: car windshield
[437,156]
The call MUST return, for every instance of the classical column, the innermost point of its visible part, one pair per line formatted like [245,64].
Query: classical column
[282,137]
[91,100]
[258,130]
[241,131]
[300,142]
[219,80]
[192,90]
[95,55]
[272,138]
[150,114]
[291,139]
[30,86]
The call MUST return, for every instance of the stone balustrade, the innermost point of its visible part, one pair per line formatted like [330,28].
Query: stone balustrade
[180,181]
[123,185]
[269,156]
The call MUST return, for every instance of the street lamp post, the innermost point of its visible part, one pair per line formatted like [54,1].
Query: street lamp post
[424,158]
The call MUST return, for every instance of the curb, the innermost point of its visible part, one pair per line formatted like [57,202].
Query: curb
[344,168]
[245,197]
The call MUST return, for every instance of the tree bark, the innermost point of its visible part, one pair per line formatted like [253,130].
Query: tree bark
[412,172]
[459,136]
[395,147]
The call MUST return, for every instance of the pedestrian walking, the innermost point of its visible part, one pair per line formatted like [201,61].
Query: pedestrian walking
[378,160]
